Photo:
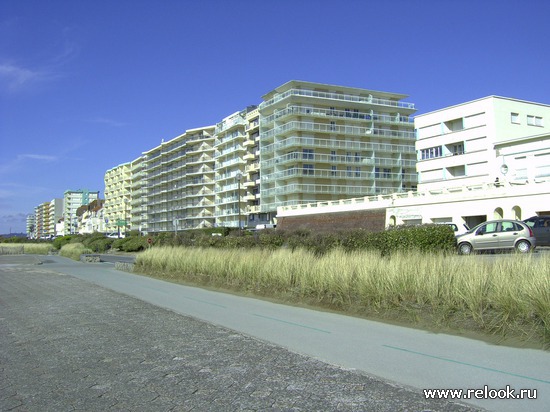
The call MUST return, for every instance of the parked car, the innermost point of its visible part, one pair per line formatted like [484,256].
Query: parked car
[497,234]
[115,235]
[541,228]
[458,229]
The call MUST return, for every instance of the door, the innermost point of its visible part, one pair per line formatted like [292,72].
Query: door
[508,234]
[486,236]
[543,231]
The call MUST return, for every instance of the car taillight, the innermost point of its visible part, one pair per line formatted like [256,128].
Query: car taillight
[531,234]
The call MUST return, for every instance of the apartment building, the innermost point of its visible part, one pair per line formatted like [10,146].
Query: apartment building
[31,226]
[180,182]
[42,215]
[72,200]
[46,216]
[138,195]
[55,214]
[485,140]
[321,142]
[117,208]
[229,166]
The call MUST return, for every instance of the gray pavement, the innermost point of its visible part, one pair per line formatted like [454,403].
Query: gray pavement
[67,344]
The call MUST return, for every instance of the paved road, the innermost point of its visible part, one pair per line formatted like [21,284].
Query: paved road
[68,344]
[411,358]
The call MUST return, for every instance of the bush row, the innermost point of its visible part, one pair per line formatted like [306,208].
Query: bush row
[98,243]
[424,238]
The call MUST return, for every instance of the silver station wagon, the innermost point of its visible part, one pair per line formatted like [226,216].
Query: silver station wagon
[497,234]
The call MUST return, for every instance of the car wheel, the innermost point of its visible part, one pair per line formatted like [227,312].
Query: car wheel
[523,246]
[464,248]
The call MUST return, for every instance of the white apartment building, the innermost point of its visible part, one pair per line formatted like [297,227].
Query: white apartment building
[117,209]
[31,226]
[481,141]
[138,195]
[72,200]
[321,142]
[46,215]
[180,182]
[56,214]
[236,166]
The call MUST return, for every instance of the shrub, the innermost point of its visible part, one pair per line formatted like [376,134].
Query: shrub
[59,242]
[74,250]
[130,244]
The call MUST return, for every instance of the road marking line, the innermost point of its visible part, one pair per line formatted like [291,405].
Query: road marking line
[466,364]
[292,323]
[205,302]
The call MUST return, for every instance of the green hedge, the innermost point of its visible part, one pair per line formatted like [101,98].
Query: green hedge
[424,238]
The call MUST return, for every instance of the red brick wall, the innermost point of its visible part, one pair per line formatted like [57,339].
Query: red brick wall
[372,220]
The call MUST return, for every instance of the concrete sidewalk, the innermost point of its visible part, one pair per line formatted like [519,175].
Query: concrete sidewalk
[67,344]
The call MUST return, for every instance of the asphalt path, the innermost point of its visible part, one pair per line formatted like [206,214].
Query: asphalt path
[404,357]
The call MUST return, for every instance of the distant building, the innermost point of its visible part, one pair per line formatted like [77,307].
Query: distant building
[179,176]
[138,195]
[31,226]
[90,217]
[117,209]
[72,200]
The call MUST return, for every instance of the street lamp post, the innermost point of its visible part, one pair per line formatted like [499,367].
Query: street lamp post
[239,176]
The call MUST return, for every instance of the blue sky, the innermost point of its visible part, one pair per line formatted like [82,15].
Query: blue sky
[88,85]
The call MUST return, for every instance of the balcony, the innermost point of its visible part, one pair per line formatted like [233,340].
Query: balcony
[337,144]
[360,116]
[371,100]
[345,130]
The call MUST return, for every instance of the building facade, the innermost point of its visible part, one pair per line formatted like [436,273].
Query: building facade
[31,226]
[72,200]
[180,182]
[477,161]
[321,142]
[481,141]
[117,209]
[138,195]
[91,218]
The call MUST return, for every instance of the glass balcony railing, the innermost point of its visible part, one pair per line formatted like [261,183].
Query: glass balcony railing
[335,96]
[370,116]
[336,145]
[337,129]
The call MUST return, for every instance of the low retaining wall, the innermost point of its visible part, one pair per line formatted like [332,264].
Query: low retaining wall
[373,220]
[12,250]
[90,258]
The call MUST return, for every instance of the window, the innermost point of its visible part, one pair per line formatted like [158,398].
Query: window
[376,172]
[534,120]
[386,174]
[357,172]
[307,170]
[348,171]
[333,155]
[307,154]
[333,170]
[357,157]
[514,117]
[348,156]
[431,153]
[457,149]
